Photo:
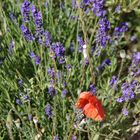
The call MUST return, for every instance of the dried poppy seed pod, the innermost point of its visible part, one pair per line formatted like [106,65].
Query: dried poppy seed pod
[17,123]
[35,120]
[85,51]
[42,130]
[122,54]
[38,136]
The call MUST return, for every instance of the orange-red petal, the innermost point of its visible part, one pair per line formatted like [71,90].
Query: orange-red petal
[81,103]
[85,95]
[92,112]
[91,106]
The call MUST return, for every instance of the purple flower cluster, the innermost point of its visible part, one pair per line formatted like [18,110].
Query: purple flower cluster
[18,101]
[26,33]
[87,2]
[136,58]
[56,138]
[64,92]
[30,117]
[98,8]
[134,69]
[117,9]
[48,38]
[102,36]
[106,62]
[35,57]
[51,72]
[11,46]
[113,81]
[123,27]
[20,83]
[37,16]
[81,43]
[12,17]
[48,111]
[128,91]
[92,88]
[125,112]
[74,137]
[25,10]
[52,91]
[59,51]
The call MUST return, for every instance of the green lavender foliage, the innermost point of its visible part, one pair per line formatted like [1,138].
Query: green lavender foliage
[18,65]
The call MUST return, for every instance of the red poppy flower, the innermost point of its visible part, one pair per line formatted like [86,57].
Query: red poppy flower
[91,106]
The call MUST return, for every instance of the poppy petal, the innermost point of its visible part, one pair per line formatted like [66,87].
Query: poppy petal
[90,111]
[81,103]
[85,95]
[100,109]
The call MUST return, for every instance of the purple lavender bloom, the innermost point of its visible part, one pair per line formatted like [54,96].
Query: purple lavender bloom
[86,62]
[65,84]
[81,44]
[37,60]
[113,81]
[92,88]
[12,17]
[121,29]
[37,16]
[25,10]
[86,2]
[137,73]
[64,92]
[72,47]
[117,9]
[125,112]
[11,47]
[128,91]
[106,62]
[20,83]
[62,6]
[136,58]
[133,38]
[68,67]
[32,55]
[73,3]
[59,51]
[26,33]
[87,11]
[101,36]
[52,91]
[30,117]
[18,102]
[120,100]
[62,60]
[51,72]
[46,4]
[80,41]
[56,138]
[48,38]
[48,111]
[98,8]
[26,97]
[104,24]
[74,137]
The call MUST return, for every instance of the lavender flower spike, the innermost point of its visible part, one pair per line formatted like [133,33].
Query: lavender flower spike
[25,10]
[48,111]
[26,33]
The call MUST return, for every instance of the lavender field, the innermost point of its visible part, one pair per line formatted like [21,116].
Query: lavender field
[69,69]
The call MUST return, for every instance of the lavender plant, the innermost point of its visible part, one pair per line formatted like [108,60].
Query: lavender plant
[51,51]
